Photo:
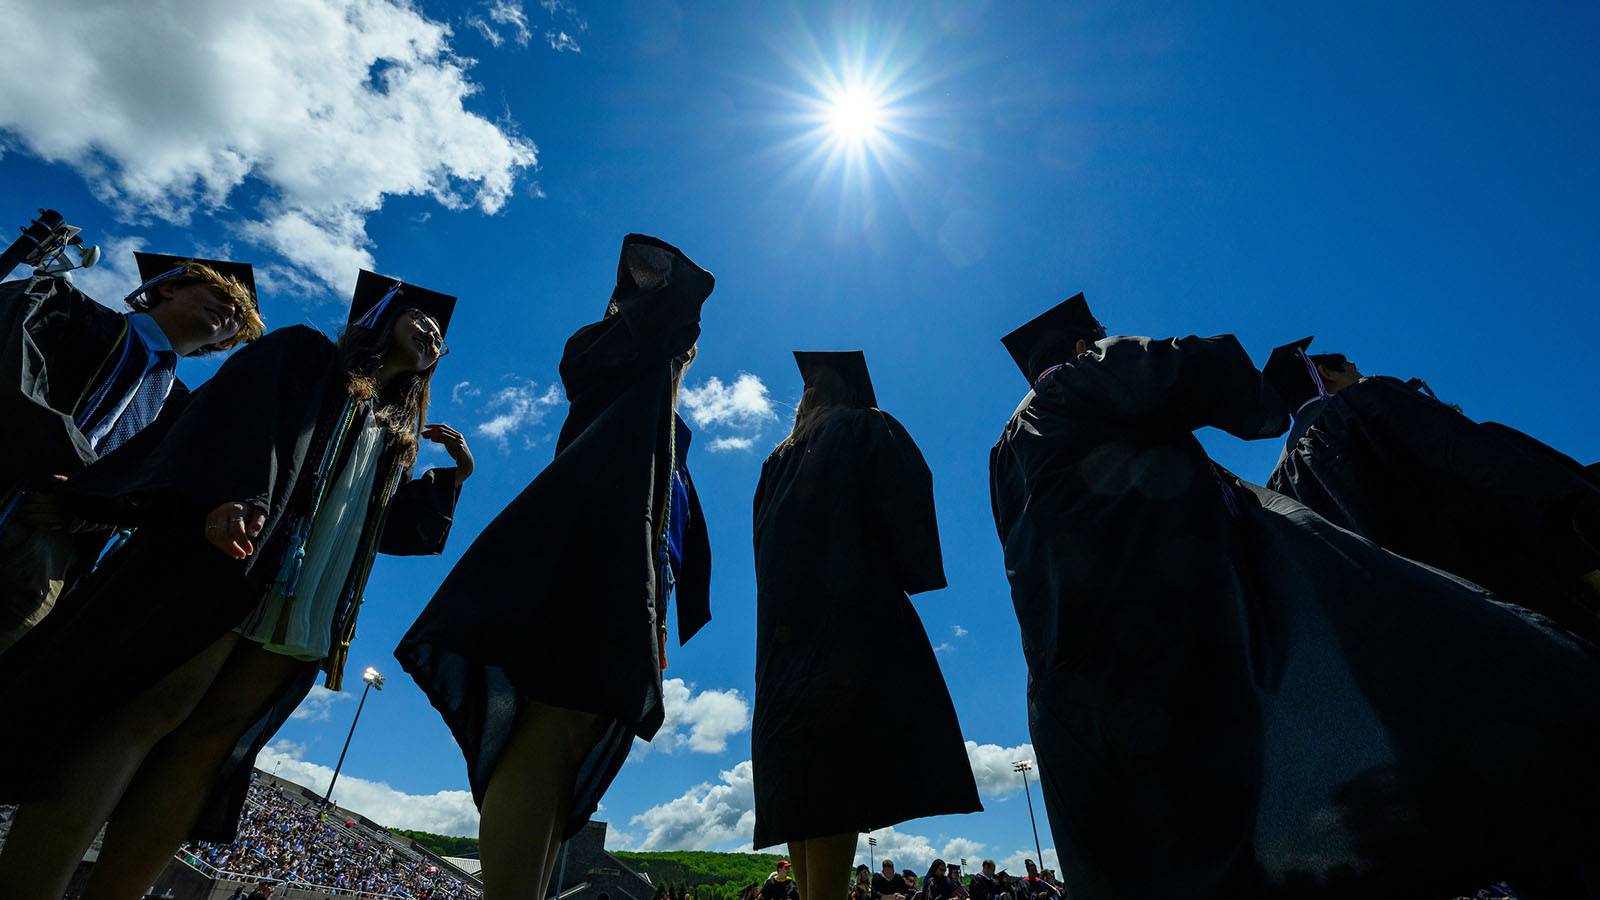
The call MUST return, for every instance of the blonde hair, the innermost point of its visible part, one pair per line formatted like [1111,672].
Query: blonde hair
[821,399]
[250,324]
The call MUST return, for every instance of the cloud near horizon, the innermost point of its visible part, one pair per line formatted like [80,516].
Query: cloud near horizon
[721,814]
[442,812]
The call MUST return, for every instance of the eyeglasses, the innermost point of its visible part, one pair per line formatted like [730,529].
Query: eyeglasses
[430,327]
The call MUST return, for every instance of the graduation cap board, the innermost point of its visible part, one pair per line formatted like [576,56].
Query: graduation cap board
[648,264]
[850,366]
[378,297]
[1293,375]
[155,268]
[1069,319]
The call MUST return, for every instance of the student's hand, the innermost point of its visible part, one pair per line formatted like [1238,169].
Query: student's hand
[45,511]
[232,526]
[453,444]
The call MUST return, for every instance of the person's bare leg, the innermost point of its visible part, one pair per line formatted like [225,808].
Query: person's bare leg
[797,859]
[829,860]
[529,798]
[164,800]
[49,836]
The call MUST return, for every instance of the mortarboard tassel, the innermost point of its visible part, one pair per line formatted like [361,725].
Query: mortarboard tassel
[369,320]
[170,273]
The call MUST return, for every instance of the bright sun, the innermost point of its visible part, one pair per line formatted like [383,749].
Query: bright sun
[854,115]
[855,109]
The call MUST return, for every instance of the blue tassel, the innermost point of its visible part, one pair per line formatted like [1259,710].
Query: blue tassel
[369,320]
[152,283]
[115,544]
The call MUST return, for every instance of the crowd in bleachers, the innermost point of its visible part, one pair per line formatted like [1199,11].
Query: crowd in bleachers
[284,839]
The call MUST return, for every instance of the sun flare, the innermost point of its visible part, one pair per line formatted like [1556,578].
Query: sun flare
[855,115]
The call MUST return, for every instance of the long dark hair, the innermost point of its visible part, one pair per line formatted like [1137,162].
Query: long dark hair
[401,406]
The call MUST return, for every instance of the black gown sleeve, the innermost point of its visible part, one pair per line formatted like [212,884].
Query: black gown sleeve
[35,315]
[227,444]
[647,332]
[1474,472]
[1180,383]
[902,503]
[420,514]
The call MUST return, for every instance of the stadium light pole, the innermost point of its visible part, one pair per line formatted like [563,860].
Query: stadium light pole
[1021,767]
[871,853]
[373,680]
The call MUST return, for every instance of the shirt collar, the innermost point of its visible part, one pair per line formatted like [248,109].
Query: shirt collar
[155,340]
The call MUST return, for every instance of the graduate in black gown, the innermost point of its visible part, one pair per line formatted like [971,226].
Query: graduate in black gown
[844,530]
[1385,459]
[1232,698]
[543,649]
[77,380]
[144,698]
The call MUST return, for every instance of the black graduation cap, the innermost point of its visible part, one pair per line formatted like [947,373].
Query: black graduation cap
[1292,374]
[648,264]
[157,267]
[849,365]
[1068,319]
[378,296]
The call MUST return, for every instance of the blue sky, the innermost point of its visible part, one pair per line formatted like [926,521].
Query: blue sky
[1414,187]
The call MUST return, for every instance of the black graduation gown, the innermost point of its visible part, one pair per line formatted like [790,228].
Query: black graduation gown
[56,345]
[556,600]
[255,432]
[1232,698]
[844,530]
[1484,502]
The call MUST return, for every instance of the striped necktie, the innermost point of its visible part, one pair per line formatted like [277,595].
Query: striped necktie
[147,400]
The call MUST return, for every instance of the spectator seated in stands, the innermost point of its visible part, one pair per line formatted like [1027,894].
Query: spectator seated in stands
[889,884]
[985,885]
[283,840]
[938,885]
[861,887]
[780,884]
[1036,887]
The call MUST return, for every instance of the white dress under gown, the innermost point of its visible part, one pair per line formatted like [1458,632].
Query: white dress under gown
[302,626]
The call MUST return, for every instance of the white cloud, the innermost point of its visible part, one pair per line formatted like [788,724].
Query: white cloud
[1013,862]
[506,14]
[916,851]
[707,815]
[700,721]
[318,705]
[722,815]
[959,631]
[464,391]
[323,108]
[561,42]
[515,408]
[743,408]
[485,29]
[116,275]
[743,404]
[944,647]
[991,768]
[442,812]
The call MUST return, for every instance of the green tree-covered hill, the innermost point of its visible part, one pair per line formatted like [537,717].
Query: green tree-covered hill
[704,874]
